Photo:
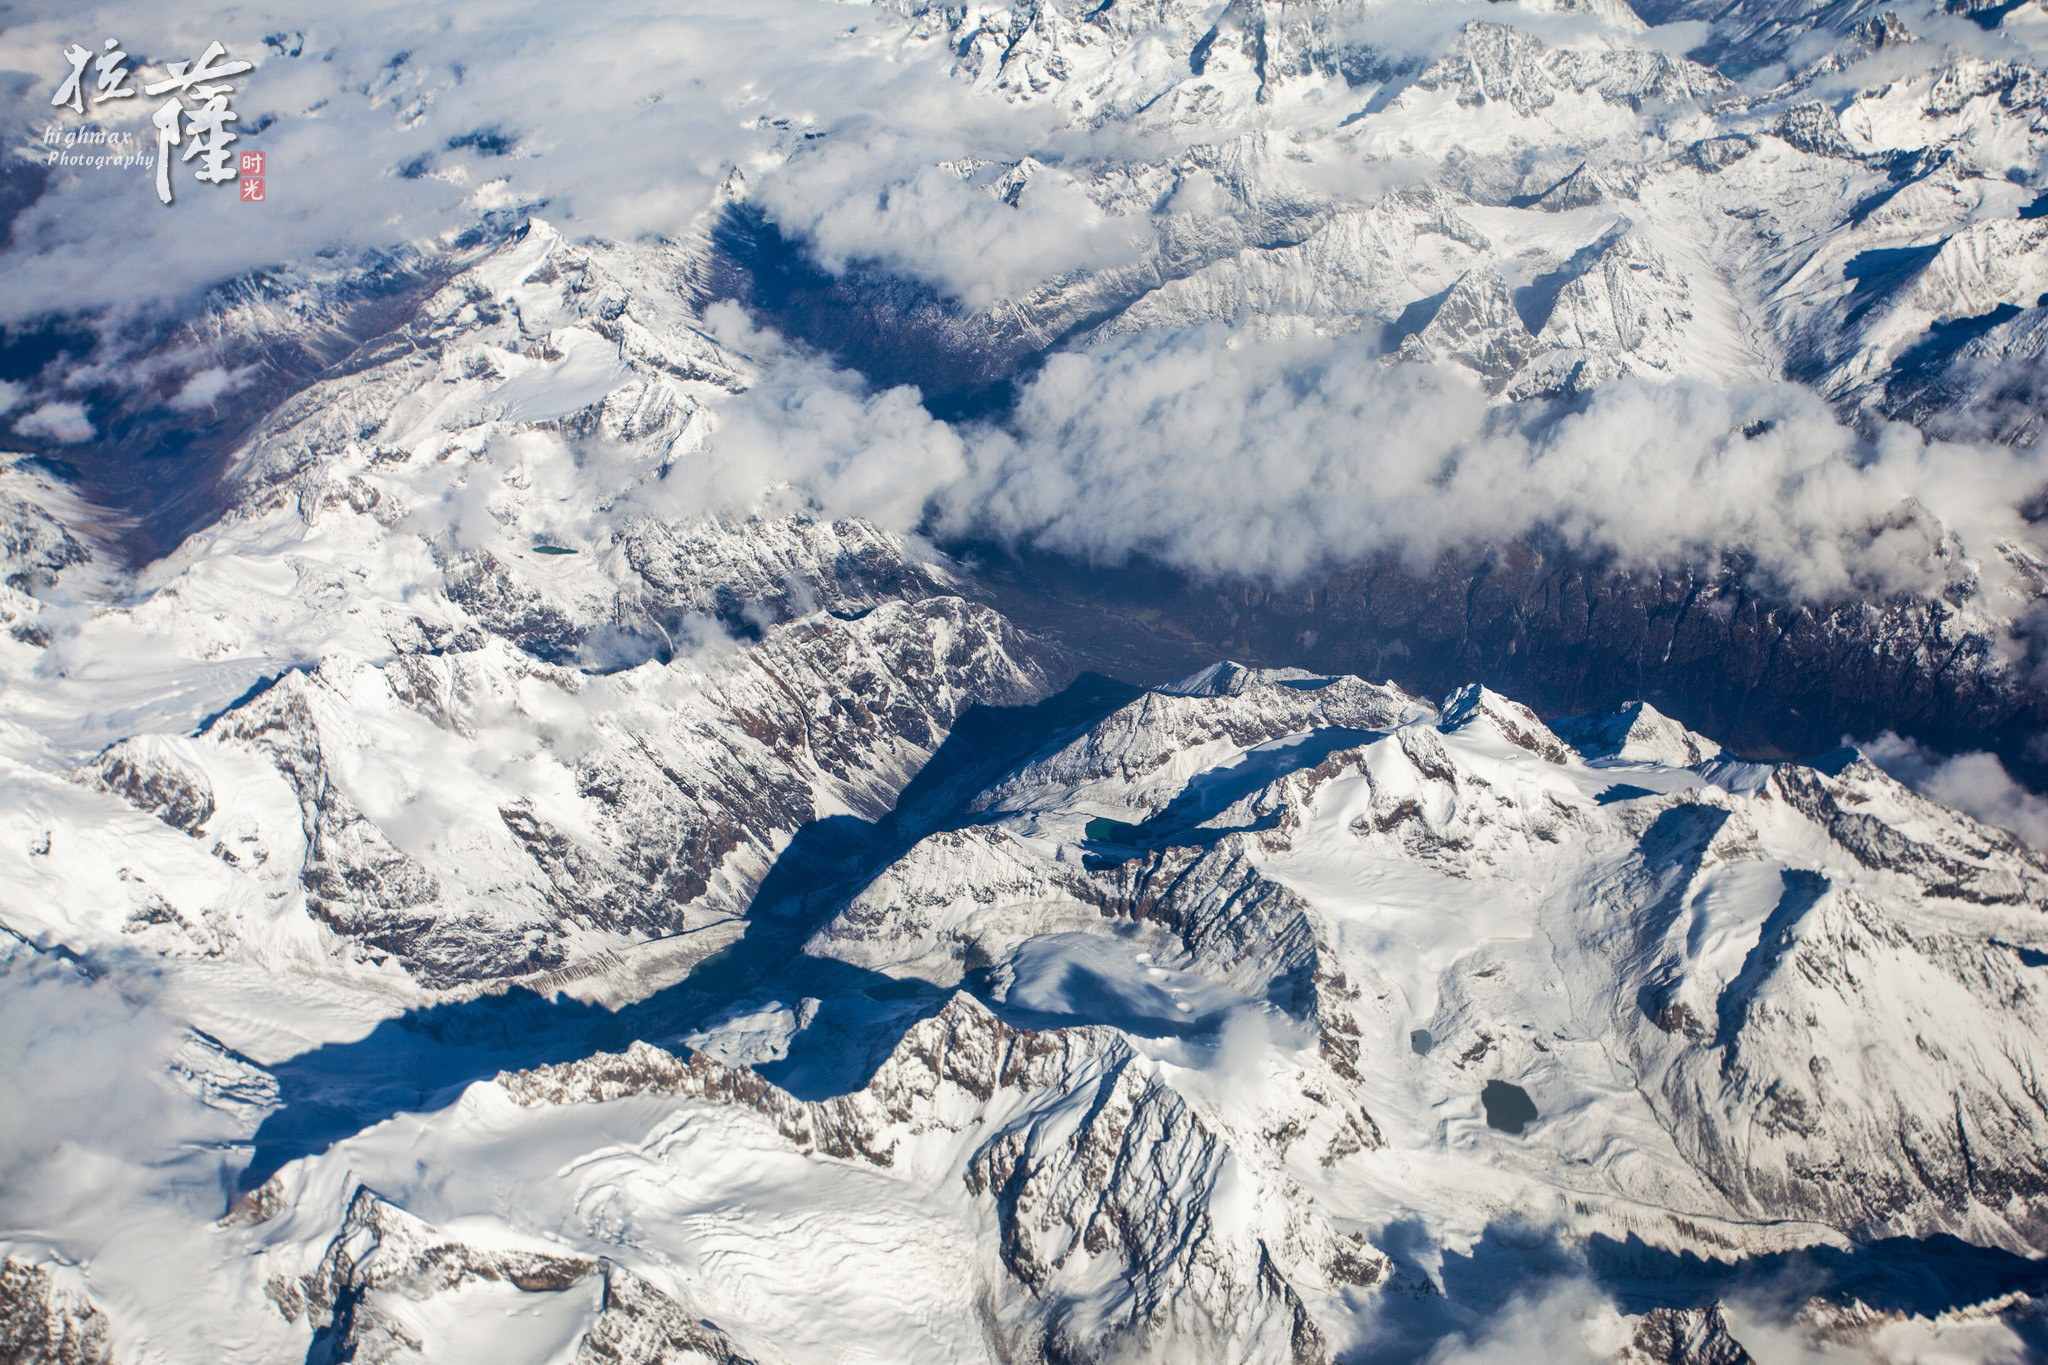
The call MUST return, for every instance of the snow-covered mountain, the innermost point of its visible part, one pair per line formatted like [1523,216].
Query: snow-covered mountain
[567,819]
[1552,202]
[1206,1028]
[1584,203]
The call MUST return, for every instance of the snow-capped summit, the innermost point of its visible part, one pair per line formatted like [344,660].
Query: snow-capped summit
[1638,733]
[1341,982]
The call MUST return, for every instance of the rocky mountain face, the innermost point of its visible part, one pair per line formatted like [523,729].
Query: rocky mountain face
[1771,676]
[665,782]
[1860,228]
[657,831]
[376,1292]
[530,902]
[42,1323]
[1206,995]
[1852,225]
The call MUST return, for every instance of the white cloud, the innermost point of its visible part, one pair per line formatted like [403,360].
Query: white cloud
[1976,784]
[1569,1323]
[883,199]
[810,434]
[65,422]
[624,122]
[397,123]
[83,1071]
[1224,452]
[206,387]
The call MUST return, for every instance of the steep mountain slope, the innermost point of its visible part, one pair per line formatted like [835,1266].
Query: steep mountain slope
[1230,1020]
[1212,1015]
[393,584]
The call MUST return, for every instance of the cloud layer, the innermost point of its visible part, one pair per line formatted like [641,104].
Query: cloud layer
[387,123]
[1223,453]
[83,1070]
[1976,784]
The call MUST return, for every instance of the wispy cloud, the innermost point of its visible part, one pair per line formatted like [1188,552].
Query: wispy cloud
[1226,453]
[1976,784]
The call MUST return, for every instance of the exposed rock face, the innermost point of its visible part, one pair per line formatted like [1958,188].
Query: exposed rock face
[1688,1336]
[1654,286]
[1142,755]
[684,781]
[35,543]
[640,1325]
[1201,62]
[1050,1124]
[1639,733]
[1477,326]
[38,543]
[734,573]
[1761,674]
[665,767]
[385,1261]
[1496,62]
[962,1055]
[43,1323]
[148,775]
[1825,953]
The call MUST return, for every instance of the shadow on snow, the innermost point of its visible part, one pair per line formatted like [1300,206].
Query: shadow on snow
[422,1060]
[1470,1290]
